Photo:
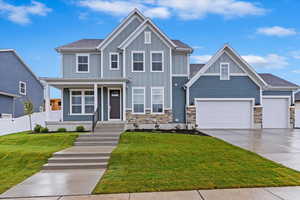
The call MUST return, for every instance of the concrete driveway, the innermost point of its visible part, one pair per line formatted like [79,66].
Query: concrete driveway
[279,145]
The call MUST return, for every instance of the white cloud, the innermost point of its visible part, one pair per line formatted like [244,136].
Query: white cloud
[21,14]
[185,9]
[83,16]
[276,31]
[295,54]
[270,61]
[297,71]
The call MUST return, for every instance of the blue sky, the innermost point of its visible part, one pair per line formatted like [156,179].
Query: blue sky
[265,32]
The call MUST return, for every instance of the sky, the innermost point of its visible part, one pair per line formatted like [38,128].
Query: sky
[266,33]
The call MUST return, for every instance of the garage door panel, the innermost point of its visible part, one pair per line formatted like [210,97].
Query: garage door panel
[223,114]
[275,112]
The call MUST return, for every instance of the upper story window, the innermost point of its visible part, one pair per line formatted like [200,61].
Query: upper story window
[114,61]
[157,100]
[147,35]
[82,102]
[157,60]
[138,61]
[138,100]
[224,71]
[82,63]
[22,87]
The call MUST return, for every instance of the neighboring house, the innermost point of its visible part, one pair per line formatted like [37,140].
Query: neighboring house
[55,104]
[137,74]
[17,84]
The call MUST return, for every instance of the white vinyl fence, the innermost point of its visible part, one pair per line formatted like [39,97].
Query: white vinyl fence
[14,125]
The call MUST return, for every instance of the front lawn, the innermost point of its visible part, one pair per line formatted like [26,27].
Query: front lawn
[163,162]
[23,154]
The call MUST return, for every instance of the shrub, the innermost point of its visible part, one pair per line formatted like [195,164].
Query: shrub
[80,128]
[37,128]
[44,130]
[61,130]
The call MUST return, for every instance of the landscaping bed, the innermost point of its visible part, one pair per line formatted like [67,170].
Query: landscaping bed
[23,154]
[145,162]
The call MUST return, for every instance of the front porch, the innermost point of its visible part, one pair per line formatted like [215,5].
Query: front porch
[105,99]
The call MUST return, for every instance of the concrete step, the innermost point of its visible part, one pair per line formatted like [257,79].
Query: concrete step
[61,166]
[78,159]
[84,154]
[108,130]
[98,139]
[95,143]
[95,135]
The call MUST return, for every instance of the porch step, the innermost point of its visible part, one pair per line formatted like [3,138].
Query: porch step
[101,135]
[95,143]
[86,155]
[61,166]
[102,130]
[78,159]
[98,139]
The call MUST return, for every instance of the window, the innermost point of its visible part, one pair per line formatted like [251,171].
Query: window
[138,61]
[82,61]
[22,88]
[157,100]
[138,100]
[157,58]
[224,71]
[82,102]
[114,61]
[147,36]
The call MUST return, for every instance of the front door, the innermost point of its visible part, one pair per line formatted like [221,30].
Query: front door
[115,104]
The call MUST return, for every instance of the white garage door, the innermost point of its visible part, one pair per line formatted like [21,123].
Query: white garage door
[275,112]
[212,114]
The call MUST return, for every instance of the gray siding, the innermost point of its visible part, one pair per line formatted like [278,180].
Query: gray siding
[148,79]
[69,66]
[179,62]
[213,87]
[179,99]
[113,47]
[279,93]
[11,72]
[6,104]
[215,68]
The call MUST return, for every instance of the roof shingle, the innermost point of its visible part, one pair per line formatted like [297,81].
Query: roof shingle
[276,81]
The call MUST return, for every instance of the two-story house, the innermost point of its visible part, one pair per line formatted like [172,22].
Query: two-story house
[137,74]
[17,85]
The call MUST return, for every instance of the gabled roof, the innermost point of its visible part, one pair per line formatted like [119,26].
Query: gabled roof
[237,58]
[22,62]
[276,81]
[81,44]
[194,68]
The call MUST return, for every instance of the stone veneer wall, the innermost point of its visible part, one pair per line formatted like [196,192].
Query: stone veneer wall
[258,118]
[149,118]
[191,114]
[292,117]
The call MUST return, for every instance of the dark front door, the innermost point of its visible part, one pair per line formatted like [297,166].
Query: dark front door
[115,104]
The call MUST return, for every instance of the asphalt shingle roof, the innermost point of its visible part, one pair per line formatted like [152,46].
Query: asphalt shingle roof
[194,68]
[276,81]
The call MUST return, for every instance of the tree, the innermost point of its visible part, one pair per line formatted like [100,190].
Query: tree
[28,110]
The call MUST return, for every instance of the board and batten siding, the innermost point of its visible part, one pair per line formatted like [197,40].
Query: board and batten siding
[179,62]
[179,99]
[278,93]
[69,66]
[215,68]
[112,47]
[148,79]
[213,87]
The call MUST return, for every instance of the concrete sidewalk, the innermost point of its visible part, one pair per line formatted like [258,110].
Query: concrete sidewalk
[280,193]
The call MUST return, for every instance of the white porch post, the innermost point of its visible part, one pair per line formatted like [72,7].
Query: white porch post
[47,102]
[124,101]
[95,97]
[102,103]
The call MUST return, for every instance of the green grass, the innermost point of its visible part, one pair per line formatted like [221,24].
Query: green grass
[165,162]
[23,154]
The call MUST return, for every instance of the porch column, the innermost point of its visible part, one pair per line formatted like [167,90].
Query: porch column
[95,97]
[124,101]
[47,102]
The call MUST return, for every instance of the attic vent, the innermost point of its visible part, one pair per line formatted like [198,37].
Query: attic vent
[147,37]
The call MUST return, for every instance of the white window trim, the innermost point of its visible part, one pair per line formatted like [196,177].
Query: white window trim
[163,60]
[133,52]
[145,36]
[228,71]
[88,63]
[82,101]
[118,60]
[163,101]
[141,113]
[25,88]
